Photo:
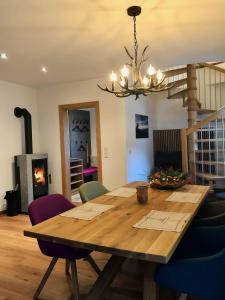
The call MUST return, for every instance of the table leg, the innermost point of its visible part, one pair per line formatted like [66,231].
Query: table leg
[150,290]
[106,277]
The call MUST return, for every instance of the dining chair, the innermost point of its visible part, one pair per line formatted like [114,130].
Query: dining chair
[210,214]
[220,195]
[91,190]
[215,195]
[45,208]
[197,267]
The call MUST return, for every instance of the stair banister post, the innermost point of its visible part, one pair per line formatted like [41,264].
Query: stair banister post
[184,150]
[192,102]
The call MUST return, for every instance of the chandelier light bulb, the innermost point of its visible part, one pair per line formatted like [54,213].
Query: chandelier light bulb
[151,70]
[3,56]
[159,75]
[44,69]
[113,76]
[122,82]
[145,81]
[125,71]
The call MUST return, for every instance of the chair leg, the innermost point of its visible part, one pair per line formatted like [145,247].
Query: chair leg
[93,264]
[183,297]
[75,283]
[45,277]
[67,267]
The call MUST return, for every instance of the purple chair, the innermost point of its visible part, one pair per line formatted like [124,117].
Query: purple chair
[45,208]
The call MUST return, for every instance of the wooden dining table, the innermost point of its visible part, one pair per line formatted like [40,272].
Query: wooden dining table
[112,232]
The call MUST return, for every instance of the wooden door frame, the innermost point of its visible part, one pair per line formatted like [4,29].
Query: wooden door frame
[65,141]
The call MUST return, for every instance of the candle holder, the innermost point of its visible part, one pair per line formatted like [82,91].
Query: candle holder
[142,194]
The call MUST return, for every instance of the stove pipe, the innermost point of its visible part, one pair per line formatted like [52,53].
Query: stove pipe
[19,112]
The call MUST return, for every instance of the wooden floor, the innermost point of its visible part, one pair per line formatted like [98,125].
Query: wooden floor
[22,266]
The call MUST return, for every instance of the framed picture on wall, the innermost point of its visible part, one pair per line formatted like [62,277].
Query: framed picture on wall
[141,123]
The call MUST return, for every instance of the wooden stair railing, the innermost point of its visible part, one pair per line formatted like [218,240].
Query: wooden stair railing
[210,82]
[209,85]
[206,120]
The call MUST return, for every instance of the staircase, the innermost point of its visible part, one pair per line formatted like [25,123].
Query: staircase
[179,78]
[210,153]
[204,140]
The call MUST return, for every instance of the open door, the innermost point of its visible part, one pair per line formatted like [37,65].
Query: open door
[80,139]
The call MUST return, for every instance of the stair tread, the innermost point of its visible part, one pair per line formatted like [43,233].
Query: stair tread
[179,82]
[210,150]
[209,176]
[178,95]
[210,140]
[214,122]
[174,72]
[210,162]
[206,111]
[211,129]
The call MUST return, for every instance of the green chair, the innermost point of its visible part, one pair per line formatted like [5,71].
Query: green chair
[91,190]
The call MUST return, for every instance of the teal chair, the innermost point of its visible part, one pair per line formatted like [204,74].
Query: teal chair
[91,190]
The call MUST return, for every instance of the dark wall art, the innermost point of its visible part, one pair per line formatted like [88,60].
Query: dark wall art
[141,122]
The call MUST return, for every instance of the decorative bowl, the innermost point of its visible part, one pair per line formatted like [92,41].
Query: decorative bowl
[166,186]
[168,179]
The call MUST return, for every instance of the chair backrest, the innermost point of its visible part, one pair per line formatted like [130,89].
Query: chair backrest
[45,208]
[91,190]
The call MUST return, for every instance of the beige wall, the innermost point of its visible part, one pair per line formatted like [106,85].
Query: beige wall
[113,129]
[11,133]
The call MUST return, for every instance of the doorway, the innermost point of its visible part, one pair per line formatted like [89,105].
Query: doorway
[80,140]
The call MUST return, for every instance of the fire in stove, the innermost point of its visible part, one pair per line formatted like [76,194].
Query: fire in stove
[40,179]
[39,176]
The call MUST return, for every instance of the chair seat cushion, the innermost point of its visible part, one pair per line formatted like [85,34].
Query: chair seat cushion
[61,251]
[215,196]
[220,195]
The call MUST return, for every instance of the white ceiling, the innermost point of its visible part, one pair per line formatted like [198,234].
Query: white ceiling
[78,40]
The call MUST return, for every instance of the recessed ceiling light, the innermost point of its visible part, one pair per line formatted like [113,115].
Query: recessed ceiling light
[3,56]
[44,70]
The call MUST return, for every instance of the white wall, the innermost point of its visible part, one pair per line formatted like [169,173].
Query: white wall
[112,113]
[169,112]
[139,151]
[124,158]
[12,134]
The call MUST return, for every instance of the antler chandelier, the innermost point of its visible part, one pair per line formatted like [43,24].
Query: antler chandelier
[130,81]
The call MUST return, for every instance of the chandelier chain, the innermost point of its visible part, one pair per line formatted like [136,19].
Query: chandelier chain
[135,43]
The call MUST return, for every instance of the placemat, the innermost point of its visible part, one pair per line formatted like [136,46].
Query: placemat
[162,220]
[87,211]
[122,192]
[184,197]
